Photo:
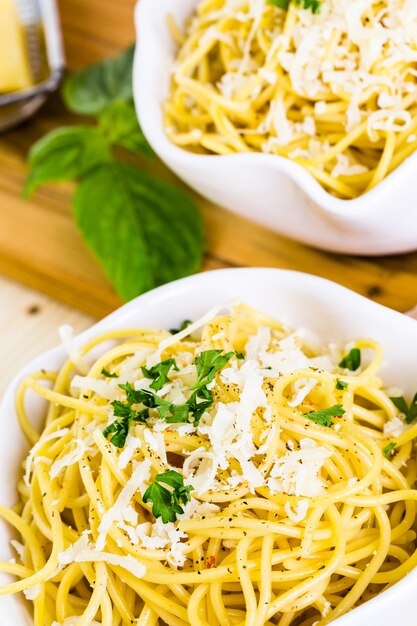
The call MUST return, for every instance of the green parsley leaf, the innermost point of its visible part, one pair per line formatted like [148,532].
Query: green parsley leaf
[185,324]
[341,385]
[208,363]
[166,503]
[65,154]
[123,409]
[159,373]
[134,396]
[200,401]
[90,90]
[107,373]
[120,428]
[313,5]
[324,416]
[280,4]
[177,413]
[388,450]
[171,413]
[410,411]
[127,414]
[240,356]
[146,232]
[352,360]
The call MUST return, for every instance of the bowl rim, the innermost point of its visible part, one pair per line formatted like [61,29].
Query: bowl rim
[147,54]
[191,283]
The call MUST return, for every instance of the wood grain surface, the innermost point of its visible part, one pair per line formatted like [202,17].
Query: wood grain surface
[39,243]
[29,324]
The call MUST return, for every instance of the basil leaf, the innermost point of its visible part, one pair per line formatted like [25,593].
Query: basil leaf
[91,89]
[65,154]
[324,416]
[119,124]
[144,231]
[351,361]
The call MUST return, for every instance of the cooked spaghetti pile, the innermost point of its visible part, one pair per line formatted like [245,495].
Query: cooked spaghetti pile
[334,90]
[231,473]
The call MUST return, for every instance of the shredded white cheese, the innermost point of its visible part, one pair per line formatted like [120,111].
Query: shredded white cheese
[298,514]
[69,459]
[297,472]
[31,593]
[120,509]
[38,445]
[394,428]
[66,333]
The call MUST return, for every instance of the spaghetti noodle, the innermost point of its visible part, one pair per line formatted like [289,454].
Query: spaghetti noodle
[334,91]
[228,474]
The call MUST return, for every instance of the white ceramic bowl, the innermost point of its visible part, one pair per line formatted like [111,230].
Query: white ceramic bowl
[268,189]
[332,312]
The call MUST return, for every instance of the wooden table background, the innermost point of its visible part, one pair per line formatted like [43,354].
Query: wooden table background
[40,246]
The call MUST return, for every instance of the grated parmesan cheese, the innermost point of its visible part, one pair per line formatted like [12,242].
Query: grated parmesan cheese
[394,428]
[120,510]
[105,388]
[171,341]
[19,547]
[69,459]
[298,514]
[132,444]
[159,536]
[66,334]
[38,445]
[31,593]
[297,472]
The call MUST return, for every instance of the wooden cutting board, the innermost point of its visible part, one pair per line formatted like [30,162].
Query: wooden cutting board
[39,243]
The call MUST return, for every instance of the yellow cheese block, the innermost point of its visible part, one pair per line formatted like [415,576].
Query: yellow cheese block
[14,63]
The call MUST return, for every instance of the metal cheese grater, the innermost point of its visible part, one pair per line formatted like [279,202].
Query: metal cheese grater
[40,22]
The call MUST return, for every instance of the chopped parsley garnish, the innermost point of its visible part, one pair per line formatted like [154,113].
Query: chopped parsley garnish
[389,449]
[208,363]
[313,5]
[107,373]
[121,427]
[159,373]
[410,411]
[341,385]
[166,503]
[167,410]
[172,413]
[126,414]
[200,401]
[352,360]
[324,416]
[183,326]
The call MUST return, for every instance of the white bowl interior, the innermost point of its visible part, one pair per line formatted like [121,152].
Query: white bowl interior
[269,189]
[330,311]
[152,26]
